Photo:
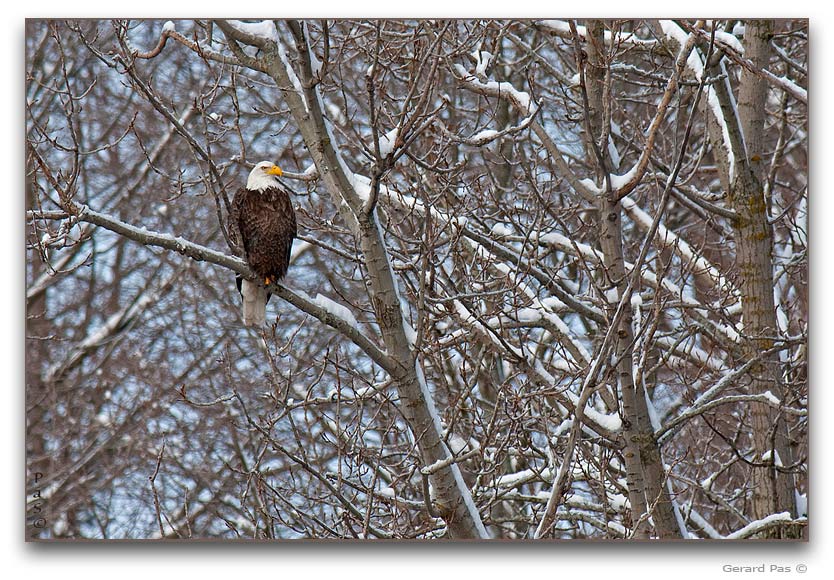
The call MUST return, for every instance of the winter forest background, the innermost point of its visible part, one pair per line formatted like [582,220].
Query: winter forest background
[551,280]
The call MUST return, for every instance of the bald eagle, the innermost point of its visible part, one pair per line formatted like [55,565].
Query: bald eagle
[264,217]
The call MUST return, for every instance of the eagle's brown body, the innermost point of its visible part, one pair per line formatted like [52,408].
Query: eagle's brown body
[263,215]
[266,221]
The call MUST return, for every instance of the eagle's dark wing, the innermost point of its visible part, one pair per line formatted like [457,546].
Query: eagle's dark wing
[267,225]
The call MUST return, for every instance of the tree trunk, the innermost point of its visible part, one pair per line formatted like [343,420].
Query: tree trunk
[451,495]
[646,475]
[772,490]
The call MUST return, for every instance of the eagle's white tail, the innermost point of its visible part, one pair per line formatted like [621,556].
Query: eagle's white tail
[254,303]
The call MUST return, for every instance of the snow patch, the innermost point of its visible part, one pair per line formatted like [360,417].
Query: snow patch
[520,99]
[500,230]
[772,398]
[618,501]
[553,303]
[483,136]
[562,428]
[801,503]
[336,309]
[387,492]
[482,60]
[618,181]
[410,333]
[336,113]
[265,28]
[387,141]
[730,40]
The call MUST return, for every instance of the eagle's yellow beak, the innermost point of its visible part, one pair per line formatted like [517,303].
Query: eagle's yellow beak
[275,170]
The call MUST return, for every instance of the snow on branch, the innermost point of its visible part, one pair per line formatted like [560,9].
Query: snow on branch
[561,28]
[673,242]
[730,45]
[562,243]
[320,308]
[521,100]
[676,34]
[602,423]
[255,33]
[263,35]
[766,523]
[336,309]
[486,136]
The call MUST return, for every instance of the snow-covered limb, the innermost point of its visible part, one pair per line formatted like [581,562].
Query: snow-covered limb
[674,242]
[701,522]
[735,52]
[624,39]
[337,317]
[482,59]
[773,520]
[521,100]
[453,458]
[511,480]
[688,349]
[676,34]
[486,136]
[336,309]
[200,253]
[604,424]
[622,185]
[255,33]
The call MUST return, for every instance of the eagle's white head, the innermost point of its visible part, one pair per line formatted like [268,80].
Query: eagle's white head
[263,176]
